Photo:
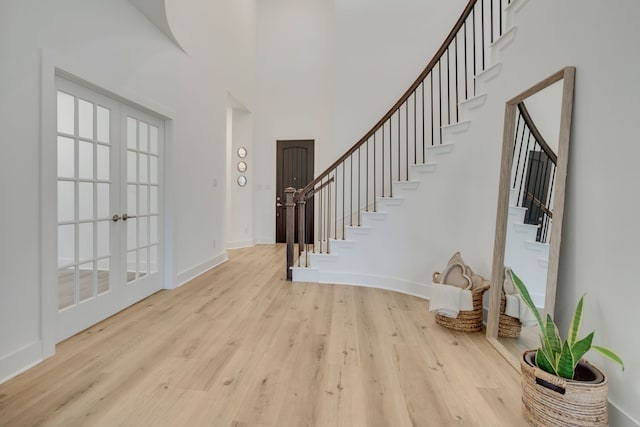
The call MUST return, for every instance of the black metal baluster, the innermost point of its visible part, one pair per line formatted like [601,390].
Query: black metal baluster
[456,58]
[374,173]
[415,128]
[367,182]
[382,160]
[306,236]
[351,192]
[399,148]
[390,158]
[491,13]
[473,28]
[320,222]
[328,212]
[516,136]
[424,149]
[466,77]
[335,205]
[544,200]
[432,128]
[359,174]
[482,34]
[406,133]
[524,167]
[519,156]
[448,89]
[553,179]
[501,17]
[344,179]
[300,235]
[440,97]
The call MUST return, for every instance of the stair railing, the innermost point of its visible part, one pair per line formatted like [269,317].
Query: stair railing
[533,174]
[350,187]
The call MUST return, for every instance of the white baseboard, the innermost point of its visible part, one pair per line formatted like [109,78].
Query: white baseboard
[193,272]
[20,360]
[264,240]
[620,418]
[237,244]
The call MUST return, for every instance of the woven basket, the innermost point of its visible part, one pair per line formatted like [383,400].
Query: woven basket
[467,321]
[548,400]
[508,327]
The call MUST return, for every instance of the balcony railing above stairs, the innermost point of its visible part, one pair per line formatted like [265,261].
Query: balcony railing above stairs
[364,176]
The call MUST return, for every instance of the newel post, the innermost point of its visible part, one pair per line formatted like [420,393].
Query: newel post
[290,224]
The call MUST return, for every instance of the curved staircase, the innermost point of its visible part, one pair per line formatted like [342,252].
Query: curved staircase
[394,237]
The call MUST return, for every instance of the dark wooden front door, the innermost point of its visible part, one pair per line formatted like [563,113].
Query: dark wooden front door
[294,168]
[536,189]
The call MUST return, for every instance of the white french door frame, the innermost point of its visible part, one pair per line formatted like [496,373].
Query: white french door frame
[51,66]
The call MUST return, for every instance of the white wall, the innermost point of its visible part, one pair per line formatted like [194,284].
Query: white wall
[113,45]
[381,48]
[599,246]
[240,221]
[295,75]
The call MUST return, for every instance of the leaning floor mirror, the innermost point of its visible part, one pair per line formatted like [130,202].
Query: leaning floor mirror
[533,173]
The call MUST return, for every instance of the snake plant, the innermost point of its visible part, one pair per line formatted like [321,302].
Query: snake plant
[555,356]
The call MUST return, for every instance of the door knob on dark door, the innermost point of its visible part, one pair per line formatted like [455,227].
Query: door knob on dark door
[279,205]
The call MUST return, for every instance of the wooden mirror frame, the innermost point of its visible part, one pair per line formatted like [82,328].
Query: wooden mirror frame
[566,74]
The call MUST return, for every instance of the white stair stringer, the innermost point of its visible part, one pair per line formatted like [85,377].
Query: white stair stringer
[411,236]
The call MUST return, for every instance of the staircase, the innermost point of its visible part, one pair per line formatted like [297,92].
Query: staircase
[392,236]
[527,257]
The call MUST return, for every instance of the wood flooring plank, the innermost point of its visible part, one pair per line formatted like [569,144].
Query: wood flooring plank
[240,346]
[382,392]
[341,401]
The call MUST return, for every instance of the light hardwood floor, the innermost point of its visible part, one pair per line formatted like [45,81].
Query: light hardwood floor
[239,346]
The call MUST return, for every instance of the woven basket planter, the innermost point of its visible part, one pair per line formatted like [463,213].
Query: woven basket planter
[467,321]
[508,327]
[548,400]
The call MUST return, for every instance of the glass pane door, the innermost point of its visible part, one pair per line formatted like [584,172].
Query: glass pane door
[84,157]
[109,199]
[143,159]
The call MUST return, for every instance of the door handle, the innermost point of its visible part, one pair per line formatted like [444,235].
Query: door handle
[115,218]
[126,217]
[279,205]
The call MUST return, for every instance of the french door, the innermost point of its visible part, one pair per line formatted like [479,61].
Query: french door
[109,158]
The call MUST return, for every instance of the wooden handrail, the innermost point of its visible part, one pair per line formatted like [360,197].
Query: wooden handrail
[436,58]
[539,204]
[536,133]
[315,190]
